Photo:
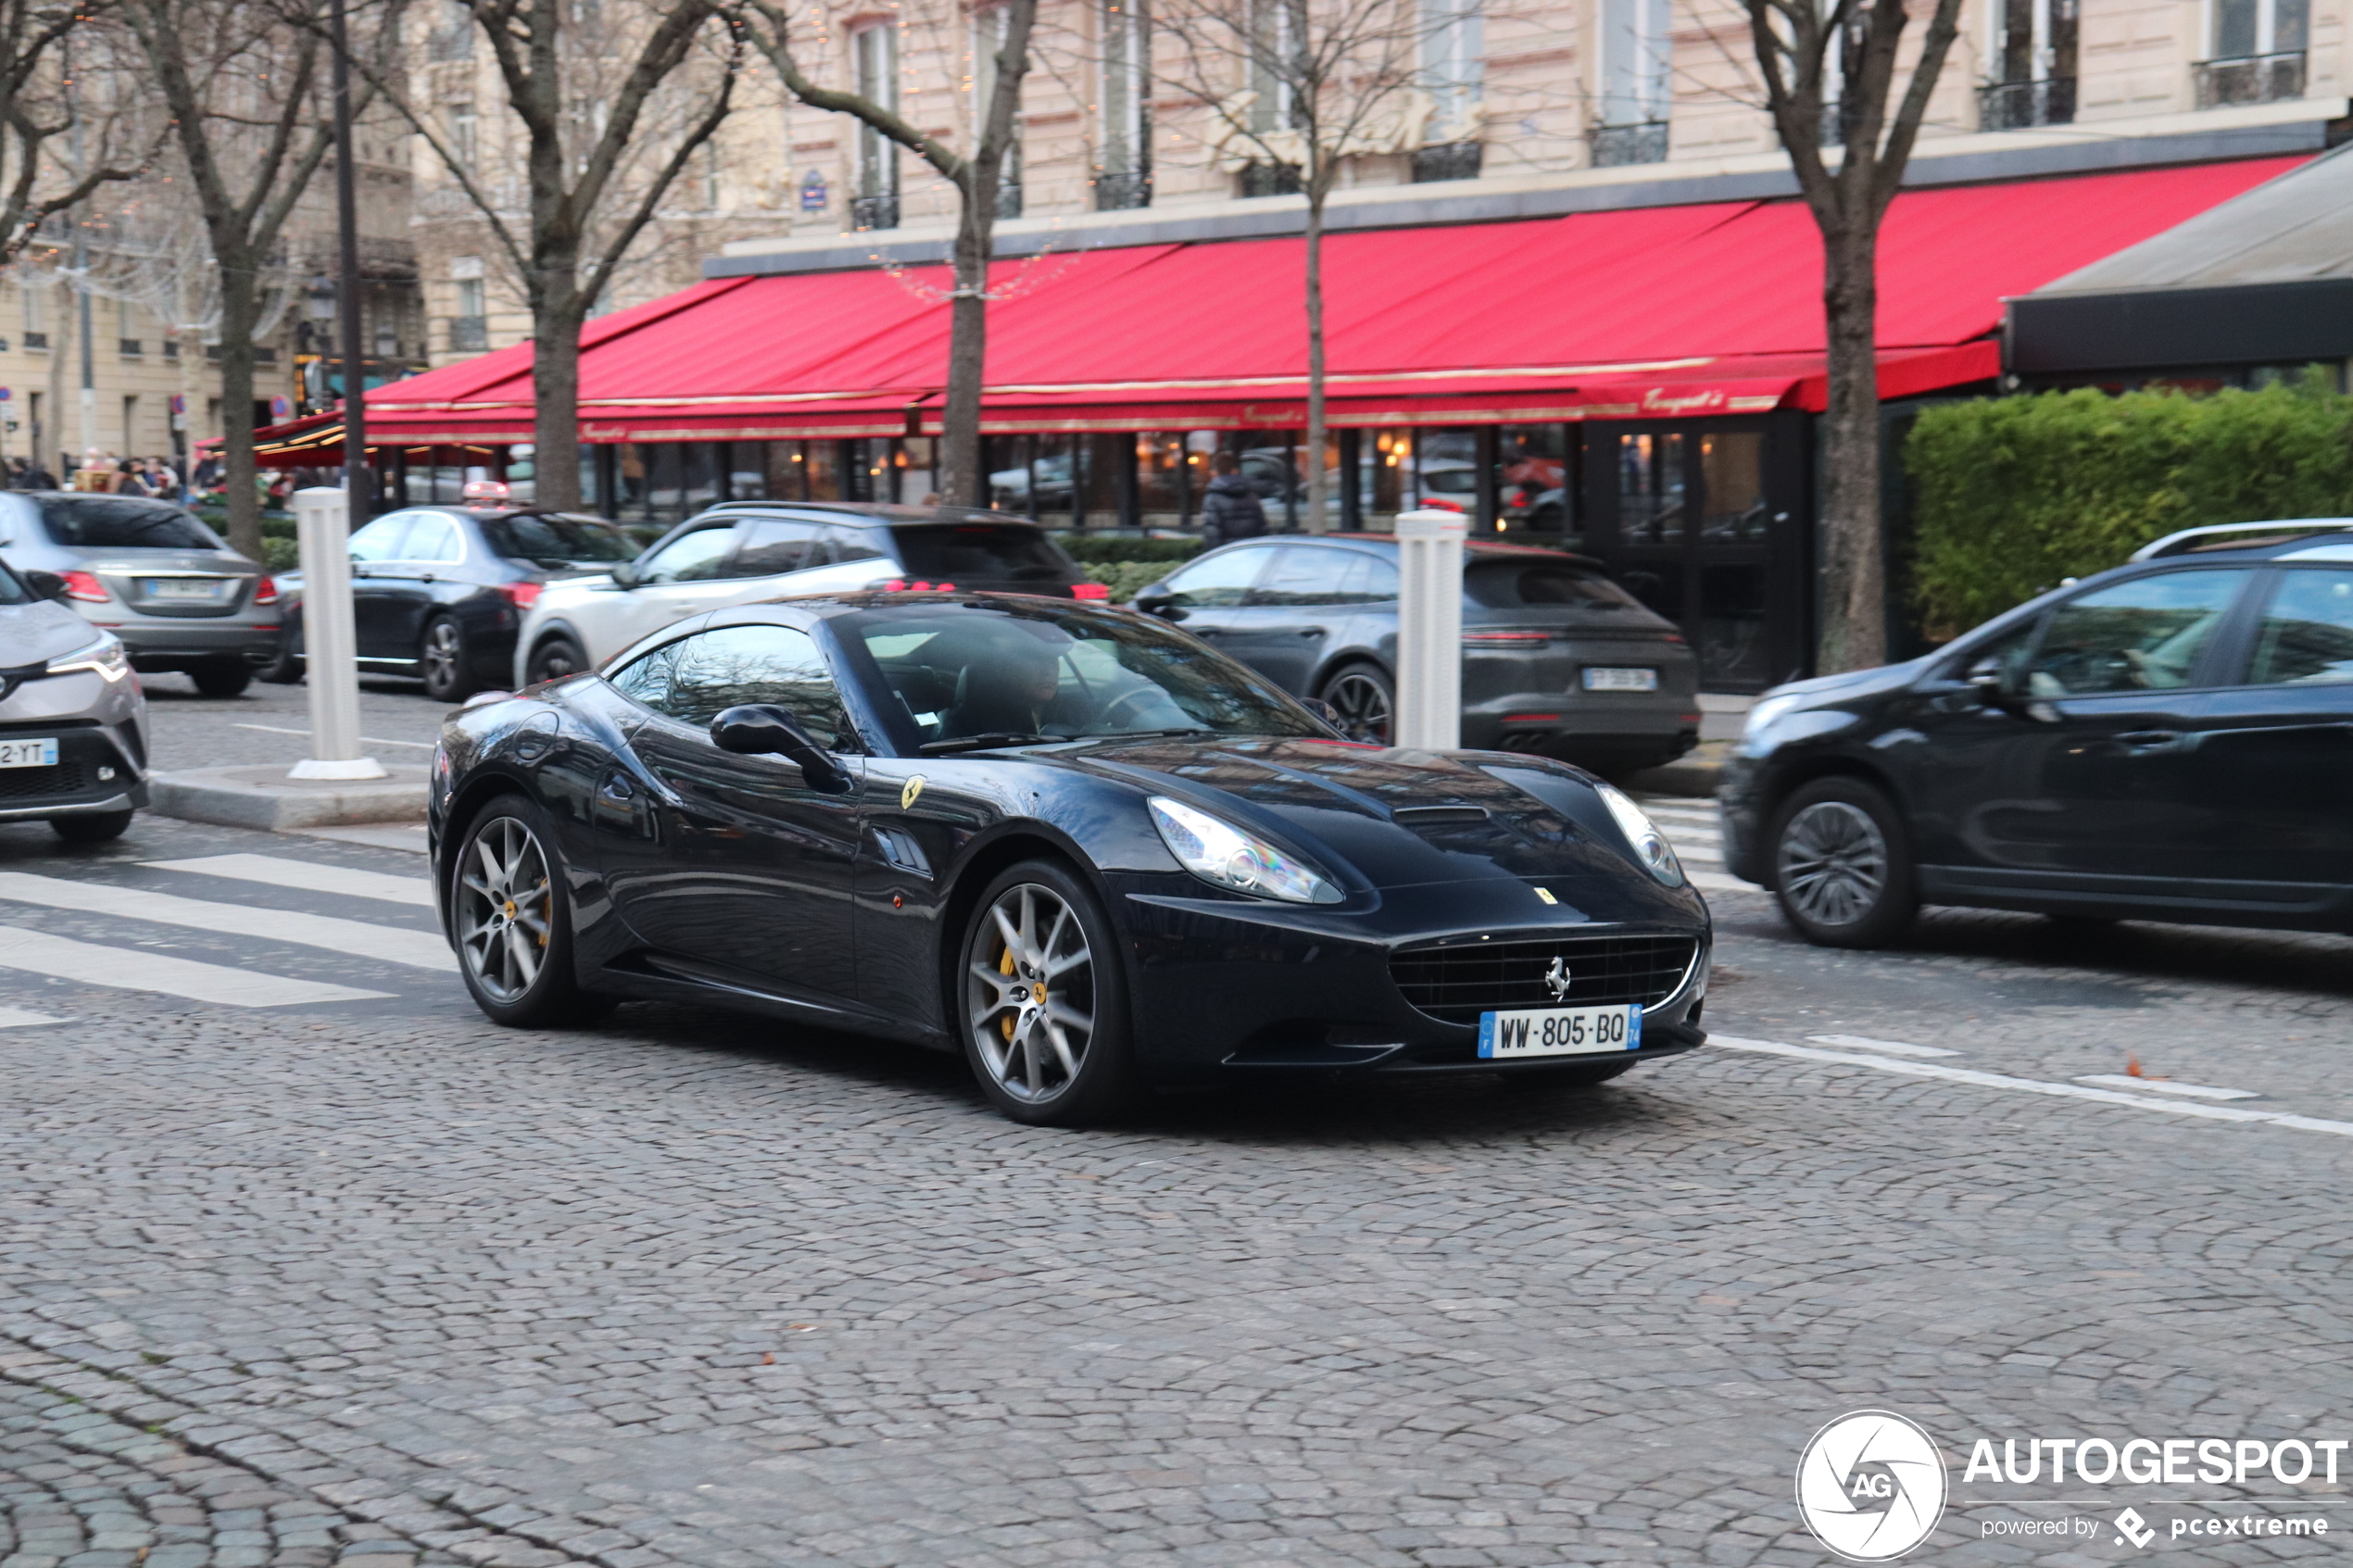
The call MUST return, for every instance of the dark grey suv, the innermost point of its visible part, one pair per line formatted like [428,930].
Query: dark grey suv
[1556,657]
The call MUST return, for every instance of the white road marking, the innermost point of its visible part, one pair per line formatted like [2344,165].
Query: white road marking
[18,1018]
[2166,1087]
[411,839]
[423,950]
[1894,1047]
[1717,882]
[372,740]
[2036,1085]
[308,876]
[88,963]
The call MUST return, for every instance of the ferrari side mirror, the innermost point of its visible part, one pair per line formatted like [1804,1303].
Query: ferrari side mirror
[755,729]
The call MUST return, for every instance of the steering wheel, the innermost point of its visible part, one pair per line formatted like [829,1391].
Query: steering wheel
[1104,719]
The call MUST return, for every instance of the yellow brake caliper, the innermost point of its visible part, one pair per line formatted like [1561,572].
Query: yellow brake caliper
[1005,966]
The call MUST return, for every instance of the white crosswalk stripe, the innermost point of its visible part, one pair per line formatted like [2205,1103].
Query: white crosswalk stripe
[94,963]
[362,939]
[308,876]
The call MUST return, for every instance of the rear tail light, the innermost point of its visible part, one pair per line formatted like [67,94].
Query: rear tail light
[85,586]
[522,595]
[1090,590]
[1505,639]
[1531,718]
[1441,503]
[265,591]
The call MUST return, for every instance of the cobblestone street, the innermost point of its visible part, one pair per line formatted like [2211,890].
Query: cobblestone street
[371,1281]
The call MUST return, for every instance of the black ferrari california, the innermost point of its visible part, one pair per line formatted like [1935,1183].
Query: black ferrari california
[1073,843]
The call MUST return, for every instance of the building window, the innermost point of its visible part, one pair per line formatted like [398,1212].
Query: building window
[2035,54]
[469,327]
[1124,173]
[1635,55]
[453,34]
[989,39]
[1452,69]
[1270,45]
[1271,179]
[2258,53]
[462,145]
[873,54]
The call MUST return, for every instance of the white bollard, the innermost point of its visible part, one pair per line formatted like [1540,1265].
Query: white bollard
[1429,629]
[322,528]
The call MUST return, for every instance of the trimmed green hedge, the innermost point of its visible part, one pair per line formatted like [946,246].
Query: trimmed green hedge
[1087,548]
[2015,494]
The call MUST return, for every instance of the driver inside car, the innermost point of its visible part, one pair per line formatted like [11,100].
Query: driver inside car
[1010,690]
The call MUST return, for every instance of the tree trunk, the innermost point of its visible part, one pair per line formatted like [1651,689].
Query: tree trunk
[1317,523]
[60,345]
[964,479]
[238,314]
[1854,594]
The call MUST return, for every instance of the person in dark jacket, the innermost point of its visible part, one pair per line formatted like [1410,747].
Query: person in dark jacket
[32,476]
[1230,509]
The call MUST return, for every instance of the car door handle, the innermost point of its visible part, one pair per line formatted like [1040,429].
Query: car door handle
[2148,740]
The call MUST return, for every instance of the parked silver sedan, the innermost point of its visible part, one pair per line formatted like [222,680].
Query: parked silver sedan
[73,723]
[153,574]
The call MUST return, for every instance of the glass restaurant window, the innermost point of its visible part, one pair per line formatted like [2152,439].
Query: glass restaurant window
[1731,469]
[1650,489]
[1163,499]
[1534,483]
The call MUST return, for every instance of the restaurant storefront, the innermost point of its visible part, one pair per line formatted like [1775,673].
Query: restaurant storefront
[1640,386]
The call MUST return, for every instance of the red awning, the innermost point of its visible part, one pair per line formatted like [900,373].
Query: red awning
[1711,308]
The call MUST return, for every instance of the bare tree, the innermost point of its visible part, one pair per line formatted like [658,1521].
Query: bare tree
[587,88]
[1831,68]
[244,89]
[41,104]
[1292,89]
[977,180]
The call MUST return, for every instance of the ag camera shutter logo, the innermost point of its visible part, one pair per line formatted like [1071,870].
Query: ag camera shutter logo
[1871,1486]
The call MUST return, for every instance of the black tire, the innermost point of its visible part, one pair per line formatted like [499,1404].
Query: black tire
[221,678]
[1366,699]
[526,981]
[1014,1011]
[553,659]
[1842,864]
[445,660]
[93,827]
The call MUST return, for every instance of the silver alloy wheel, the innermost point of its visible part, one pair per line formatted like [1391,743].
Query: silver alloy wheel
[1031,993]
[441,651]
[1363,707]
[505,909]
[1832,863]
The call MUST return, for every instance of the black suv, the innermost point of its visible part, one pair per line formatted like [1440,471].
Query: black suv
[2169,740]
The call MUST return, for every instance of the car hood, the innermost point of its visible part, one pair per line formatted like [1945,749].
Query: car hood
[36,632]
[1852,682]
[1401,818]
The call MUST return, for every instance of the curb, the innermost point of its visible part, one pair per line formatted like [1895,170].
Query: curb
[264,798]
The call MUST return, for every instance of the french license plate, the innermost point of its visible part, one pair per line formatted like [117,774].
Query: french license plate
[1602,678]
[28,753]
[187,590]
[1507,1036]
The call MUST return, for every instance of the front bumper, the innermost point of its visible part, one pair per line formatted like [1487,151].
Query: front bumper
[1218,995]
[74,786]
[157,646]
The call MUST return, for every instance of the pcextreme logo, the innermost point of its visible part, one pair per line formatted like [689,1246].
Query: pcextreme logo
[1871,1486]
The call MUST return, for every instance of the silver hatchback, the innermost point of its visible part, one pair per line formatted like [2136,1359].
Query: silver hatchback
[153,574]
[74,723]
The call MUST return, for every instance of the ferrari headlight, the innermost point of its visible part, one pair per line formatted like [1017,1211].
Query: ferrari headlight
[1650,845]
[1218,852]
[105,659]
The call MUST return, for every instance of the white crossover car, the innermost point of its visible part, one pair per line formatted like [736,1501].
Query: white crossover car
[743,551]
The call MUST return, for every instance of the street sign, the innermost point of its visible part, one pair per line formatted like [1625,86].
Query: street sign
[179,402]
[4,394]
[813,192]
[280,407]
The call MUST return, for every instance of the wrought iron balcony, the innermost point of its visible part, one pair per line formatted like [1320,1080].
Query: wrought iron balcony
[2249,79]
[1124,193]
[1448,160]
[130,347]
[36,340]
[1270,179]
[469,333]
[873,212]
[1617,145]
[2014,106]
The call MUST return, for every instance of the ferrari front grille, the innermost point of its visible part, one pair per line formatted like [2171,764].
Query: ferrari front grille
[1459,980]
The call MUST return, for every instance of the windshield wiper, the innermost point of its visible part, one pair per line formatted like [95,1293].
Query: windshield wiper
[982,742]
[1148,734]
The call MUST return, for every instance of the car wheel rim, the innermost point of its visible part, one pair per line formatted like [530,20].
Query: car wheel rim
[1363,708]
[1832,862]
[441,654]
[1031,993]
[556,663]
[505,909]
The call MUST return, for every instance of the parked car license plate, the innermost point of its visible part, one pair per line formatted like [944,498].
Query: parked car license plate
[28,753]
[1505,1036]
[1602,678]
[191,590]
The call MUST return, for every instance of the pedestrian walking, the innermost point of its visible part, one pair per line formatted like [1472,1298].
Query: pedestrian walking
[1230,509]
[35,477]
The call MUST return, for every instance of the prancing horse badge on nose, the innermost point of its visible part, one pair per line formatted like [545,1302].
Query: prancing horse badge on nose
[1557,979]
[908,791]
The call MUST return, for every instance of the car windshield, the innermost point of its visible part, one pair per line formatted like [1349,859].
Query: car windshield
[554,539]
[948,673]
[1509,584]
[124,522]
[978,552]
